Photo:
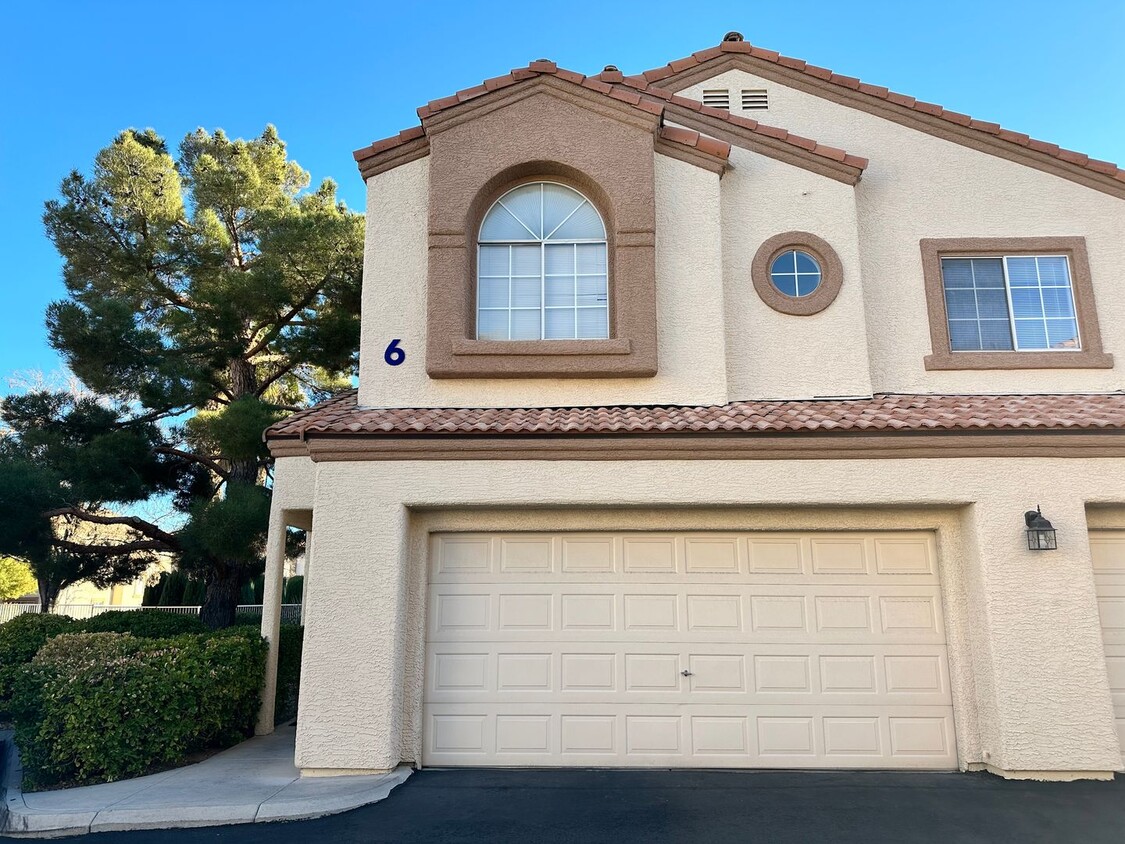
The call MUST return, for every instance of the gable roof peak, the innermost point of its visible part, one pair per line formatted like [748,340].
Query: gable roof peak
[960,128]
[632,94]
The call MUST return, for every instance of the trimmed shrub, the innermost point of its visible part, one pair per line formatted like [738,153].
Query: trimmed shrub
[194,592]
[145,624]
[151,596]
[98,707]
[294,586]
[20,639]
[290,645]
[172,595]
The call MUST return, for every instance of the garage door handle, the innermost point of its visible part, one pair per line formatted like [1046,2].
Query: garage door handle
[686,673]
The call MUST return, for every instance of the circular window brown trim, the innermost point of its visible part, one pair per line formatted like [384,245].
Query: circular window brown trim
[831,279]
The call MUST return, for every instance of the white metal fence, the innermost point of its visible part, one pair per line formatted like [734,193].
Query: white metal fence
[290,613]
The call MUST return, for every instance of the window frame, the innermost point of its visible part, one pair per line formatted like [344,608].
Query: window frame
[831,273]
[942,356]
[543,275]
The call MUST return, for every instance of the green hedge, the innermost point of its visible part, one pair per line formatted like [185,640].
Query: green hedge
[147,624]
[97,707]
[290,645]
[291,592]
[20,639]
[23,636]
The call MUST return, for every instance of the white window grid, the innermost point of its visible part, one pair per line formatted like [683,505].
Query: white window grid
[801,280]
[1012,319]
[543,307]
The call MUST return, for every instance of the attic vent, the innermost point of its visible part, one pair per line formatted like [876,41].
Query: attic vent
[717,98]
[754,99]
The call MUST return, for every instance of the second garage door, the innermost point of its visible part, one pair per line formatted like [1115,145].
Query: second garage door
[686,650]
[1107,551]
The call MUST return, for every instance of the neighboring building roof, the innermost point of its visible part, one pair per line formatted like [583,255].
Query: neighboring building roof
[610,83]
[683,71]
[882,412]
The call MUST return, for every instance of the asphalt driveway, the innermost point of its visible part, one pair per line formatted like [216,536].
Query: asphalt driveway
[713,807]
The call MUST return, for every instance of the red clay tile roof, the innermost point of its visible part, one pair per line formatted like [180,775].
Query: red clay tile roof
[691,138]
[341,415]
[656,75]
[611,84]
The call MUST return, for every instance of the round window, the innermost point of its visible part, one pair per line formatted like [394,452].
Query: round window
[795,273]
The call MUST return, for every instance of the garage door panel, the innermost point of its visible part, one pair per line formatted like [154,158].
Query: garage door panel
[690,610]
[842,557]
[702,736]
[1107,554]
[686,649]
[650,673]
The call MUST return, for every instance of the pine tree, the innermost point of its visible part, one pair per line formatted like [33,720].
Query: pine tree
[211,292]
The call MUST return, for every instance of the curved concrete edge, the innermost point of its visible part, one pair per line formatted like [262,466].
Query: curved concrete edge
[315,797]
[289,799]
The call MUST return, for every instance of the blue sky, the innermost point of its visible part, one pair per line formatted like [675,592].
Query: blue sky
[332,76]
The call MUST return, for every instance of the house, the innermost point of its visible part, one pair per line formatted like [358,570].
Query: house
[685,440]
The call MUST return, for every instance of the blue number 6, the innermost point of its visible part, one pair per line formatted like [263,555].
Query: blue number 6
[394,356]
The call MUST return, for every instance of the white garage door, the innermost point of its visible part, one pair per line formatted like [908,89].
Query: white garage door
[1107,550]
[686,650]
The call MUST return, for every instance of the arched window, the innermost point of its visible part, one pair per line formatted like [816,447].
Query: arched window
[542,272]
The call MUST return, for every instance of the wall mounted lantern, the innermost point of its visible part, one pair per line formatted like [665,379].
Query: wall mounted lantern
[1040,532]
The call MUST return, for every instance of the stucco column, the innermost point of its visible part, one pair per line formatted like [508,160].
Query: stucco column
[350,718]
[271,616]
[1041,676]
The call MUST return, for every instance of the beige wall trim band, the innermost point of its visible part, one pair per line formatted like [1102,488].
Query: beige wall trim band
[859,446]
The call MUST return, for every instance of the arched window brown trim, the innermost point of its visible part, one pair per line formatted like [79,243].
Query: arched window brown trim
[630,349]
[531,173]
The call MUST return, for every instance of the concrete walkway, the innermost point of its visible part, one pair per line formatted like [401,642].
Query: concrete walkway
[253,782]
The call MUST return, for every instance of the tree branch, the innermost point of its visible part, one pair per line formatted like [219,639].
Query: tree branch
[135,522]
[283,369]
[114,550]
[283,320]
[193,458]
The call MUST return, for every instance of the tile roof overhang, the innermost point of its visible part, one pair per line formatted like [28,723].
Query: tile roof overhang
[929,117]
[650,100]
[887,416]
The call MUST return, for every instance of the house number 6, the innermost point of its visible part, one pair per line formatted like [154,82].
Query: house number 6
[394,355]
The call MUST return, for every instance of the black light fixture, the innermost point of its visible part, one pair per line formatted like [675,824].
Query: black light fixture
[1040,532]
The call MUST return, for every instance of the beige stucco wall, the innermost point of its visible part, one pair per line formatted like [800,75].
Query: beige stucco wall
[689,304]
[1028,666]
[919,186]
[776,355]
[294,482]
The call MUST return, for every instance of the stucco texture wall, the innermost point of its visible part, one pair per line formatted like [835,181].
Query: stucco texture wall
[919,186]
[692,363]
[1028,668]
[776,355]
[294,483]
